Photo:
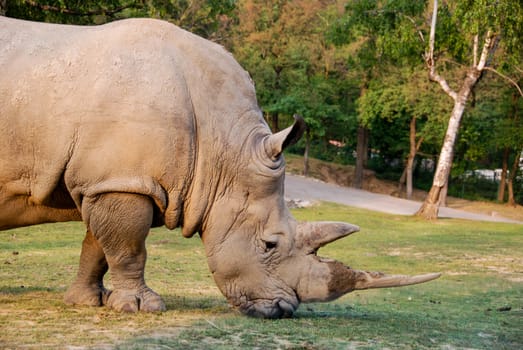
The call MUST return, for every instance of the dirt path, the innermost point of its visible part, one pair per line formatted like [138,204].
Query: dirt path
[299,187]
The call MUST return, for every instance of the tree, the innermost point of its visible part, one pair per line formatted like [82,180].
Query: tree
[282,45]
[410,109]
[260,45]
[208,18]
[380,33]
[491,133]
[516,166]
[69,11]
[493,24]
[509,137]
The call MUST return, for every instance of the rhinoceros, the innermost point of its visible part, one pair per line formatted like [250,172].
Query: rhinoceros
[138,124]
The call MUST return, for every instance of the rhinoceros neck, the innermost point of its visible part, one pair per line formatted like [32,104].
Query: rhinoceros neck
[226,116]
[223,147]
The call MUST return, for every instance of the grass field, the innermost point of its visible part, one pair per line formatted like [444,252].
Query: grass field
[476,304]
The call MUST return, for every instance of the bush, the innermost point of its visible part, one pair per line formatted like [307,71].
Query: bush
[473,188]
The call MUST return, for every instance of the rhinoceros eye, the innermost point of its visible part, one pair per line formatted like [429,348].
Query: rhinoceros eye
[270,245]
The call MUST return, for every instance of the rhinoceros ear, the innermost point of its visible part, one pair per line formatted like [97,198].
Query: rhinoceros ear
[275,144]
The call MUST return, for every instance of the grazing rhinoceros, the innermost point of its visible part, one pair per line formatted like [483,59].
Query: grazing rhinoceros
[136,124]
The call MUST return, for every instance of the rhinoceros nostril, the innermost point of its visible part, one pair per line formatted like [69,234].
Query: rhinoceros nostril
[286,308]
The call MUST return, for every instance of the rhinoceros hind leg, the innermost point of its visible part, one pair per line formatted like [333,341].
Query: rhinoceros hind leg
[120,222]
[88,288]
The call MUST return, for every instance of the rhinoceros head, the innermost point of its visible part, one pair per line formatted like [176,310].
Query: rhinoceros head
[262,259]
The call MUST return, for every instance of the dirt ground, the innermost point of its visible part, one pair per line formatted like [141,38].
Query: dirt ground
[342,175]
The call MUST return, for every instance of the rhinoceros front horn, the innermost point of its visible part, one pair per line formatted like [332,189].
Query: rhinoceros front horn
[344,279]
[327,279]
[276,143]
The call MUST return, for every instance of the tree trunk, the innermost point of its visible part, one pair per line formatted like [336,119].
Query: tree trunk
[403,180]
[274,122]
[503,180]
[430,207]
[412,154]
[443,195]
[361,156]
[510,182]
[306,153]
[3,7]
[407,176]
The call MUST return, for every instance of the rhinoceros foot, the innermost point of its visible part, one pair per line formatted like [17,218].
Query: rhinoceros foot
[79,294]
[126,300]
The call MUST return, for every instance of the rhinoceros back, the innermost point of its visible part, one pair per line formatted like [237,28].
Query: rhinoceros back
[88,110]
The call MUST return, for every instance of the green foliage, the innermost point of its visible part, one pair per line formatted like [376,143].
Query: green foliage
[473,188]
[501,17]
[68,11]
[388,31]
[390,103]
[295,69]
[459,21]
[206,18]
[492,124]
[392,33]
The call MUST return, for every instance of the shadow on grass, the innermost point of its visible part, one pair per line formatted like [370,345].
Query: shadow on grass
[329,329]
[204,304]
[333,329]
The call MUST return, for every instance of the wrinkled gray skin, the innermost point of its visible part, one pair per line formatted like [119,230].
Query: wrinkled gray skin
[137,124]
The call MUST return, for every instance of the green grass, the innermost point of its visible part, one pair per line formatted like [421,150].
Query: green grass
[476,304]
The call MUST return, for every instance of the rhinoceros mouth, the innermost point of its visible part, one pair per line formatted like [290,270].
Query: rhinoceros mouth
[278,308]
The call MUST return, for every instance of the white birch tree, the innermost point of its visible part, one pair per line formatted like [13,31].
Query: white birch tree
[485,36]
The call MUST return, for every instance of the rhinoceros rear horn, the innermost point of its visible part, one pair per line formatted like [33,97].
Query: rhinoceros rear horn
[316,234]
[275,144]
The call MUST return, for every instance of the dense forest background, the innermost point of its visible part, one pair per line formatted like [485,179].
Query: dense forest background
[375,85]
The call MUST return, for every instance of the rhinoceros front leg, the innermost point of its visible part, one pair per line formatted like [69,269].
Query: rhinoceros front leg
[88,288]
[120,223]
